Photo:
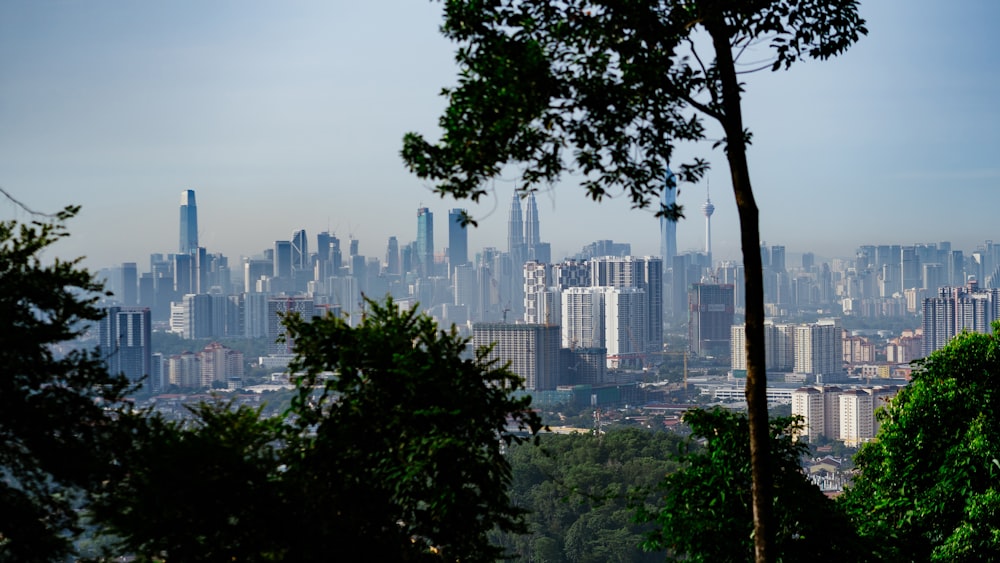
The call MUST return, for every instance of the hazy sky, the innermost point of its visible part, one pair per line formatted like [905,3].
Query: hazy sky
[289,115]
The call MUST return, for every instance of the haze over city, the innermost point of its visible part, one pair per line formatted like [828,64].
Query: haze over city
[290,116]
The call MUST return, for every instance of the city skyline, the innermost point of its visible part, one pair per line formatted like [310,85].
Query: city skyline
[291,117]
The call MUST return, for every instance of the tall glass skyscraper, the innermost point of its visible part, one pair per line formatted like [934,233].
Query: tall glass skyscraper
[189,222]
[458,240]
[425,241]
[668,228]
[515,231]
[531,236]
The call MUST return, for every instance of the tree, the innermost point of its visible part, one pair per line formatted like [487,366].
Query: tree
[208,488]
[607,89]
[392,450]
[577,489]
[708,499]
[56,429]
[406,440]
[928,486]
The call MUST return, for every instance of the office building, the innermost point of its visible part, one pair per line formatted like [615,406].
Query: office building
[124,341]
[668,227]
[625,324]
[392,257]
[130,285]
[535,249]
[425,242]
[515,232]
[537,277]
[819,407]
[192,316]
[458,240]
[189,223]
[710,319]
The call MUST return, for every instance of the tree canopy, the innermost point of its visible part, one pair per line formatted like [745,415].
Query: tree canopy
[579,490]
[393,450]
[705,511]
[928,487]
[55,411]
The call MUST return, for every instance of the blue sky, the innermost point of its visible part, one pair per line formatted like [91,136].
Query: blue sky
[289,115]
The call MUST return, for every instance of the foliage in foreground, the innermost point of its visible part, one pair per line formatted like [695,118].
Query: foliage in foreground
[928,488]
[578,490]
[705,510]
[55,426]
[392,451]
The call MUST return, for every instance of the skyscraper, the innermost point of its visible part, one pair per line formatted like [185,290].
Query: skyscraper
[392,257]
[458,240]
[710,318]
[300,251]
[189,222]
[531,237]
[323,248]
[125,334]
[282,259]
[668,228]
[515,232]
[511,277]
[425,241]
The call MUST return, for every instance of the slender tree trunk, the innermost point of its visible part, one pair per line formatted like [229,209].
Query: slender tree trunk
[756,386]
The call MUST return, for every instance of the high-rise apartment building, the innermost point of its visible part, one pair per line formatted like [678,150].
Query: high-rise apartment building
[857,421]
[219,364]
[956,309]
[819,348]
[807,402]
[458,240]
[277,307]
[582,318]
[189,222]
[425,242]
[625,325]
[645,273]
[532,350]
[183,370]
[300,252]
[536,282]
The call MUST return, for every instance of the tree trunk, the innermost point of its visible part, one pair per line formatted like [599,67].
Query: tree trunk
[756,385]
